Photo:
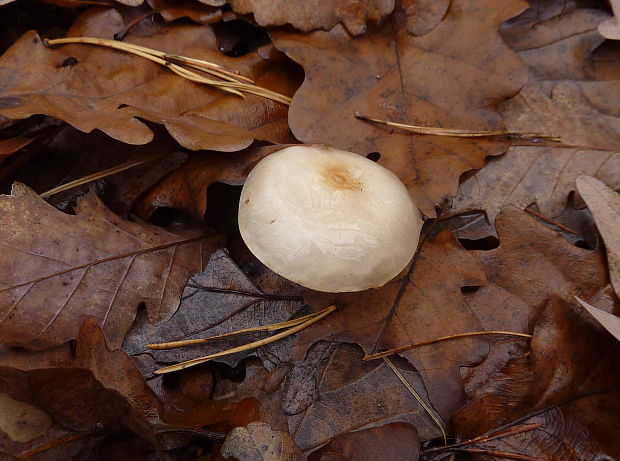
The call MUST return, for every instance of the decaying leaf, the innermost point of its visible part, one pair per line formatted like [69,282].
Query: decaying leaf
[59,269]
[431,305]
[219,300]
[21,421]
[311,15]
[351,395]
[437,79]
[258,442]
[195,10]
[91,393]
[610,28]
[604,204]
[97,88]
[568,384]
[562,98]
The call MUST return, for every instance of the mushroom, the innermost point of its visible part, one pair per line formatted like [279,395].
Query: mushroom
[327,219]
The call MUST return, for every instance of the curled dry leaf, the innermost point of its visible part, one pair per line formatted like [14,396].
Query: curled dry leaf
[60,269]
[311,15]
[604,204]
[610,28]
[437,79]
[531,264]
[568,383]
[258,442]
[568,95]
[89,392]
[430,306]
[96,88]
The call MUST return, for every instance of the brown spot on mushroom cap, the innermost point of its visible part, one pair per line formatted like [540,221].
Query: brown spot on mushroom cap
[339,177]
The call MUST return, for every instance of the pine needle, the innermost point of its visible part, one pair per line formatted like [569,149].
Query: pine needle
[435,131]
[408,347]
[417,396]
[246,347]
[271,327]
[231,82]
[103,174]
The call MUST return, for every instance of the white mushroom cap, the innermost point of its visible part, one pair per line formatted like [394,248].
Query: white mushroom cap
[327,219]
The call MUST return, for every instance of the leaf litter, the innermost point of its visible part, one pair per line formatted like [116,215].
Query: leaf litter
[144,248]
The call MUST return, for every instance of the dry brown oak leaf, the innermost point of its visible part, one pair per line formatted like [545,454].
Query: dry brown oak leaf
[396,442]
[532,263]
[96,88]
[58,269]
[90,390]
[604,204]
[186,188]
[432,305]
[568,383]
[578,101]
[451,77]
[334,392]
[310,15]
[259,442]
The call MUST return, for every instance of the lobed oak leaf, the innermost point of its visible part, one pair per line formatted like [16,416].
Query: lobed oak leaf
[59,269]
[96,88]
[307,15]
[437,79]
[567,384]
[259,442]
[570,94]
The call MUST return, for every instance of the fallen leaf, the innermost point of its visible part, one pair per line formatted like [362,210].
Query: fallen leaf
[531,264]
[258,442]
[60,269]
[21,421]
[431,305]
[567,384]
[352,395]
[311,15]
[565,100]
[609,321]
[604,204]
[437,79]
[86,395]
[424,15]
[395,441]
[11,145]
[219,300]
[196,11]
[186,188]
[98,88]
[610,28]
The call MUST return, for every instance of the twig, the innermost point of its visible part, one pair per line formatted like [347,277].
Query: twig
[271,327]
[245,347]
[435,131]
[103,174]
[398,350]
[417,396]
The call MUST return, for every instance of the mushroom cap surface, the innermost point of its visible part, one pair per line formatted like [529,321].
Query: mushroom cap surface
[327,219]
